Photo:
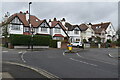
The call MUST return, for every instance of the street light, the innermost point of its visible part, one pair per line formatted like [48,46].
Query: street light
[31,27]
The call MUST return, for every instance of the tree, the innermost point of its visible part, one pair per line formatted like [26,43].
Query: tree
[84,41]
[98,39]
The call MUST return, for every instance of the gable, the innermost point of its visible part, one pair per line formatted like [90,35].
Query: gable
[44,24]
[16,20]
[110,28]
[57,26]
[77,29]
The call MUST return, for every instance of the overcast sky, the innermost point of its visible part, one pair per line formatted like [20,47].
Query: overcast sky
[73,12]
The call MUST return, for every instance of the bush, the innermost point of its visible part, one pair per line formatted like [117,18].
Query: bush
[37,40]
[16,39]
[109,41]
[84,41]
[53,43]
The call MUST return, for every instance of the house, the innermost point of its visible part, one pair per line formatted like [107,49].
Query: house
[86,31]
[73,32]
[105,31]
[57,30]
[18,23]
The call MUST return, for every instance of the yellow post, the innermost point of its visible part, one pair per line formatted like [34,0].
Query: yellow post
[69,47]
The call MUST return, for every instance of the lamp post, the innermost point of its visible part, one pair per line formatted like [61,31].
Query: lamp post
[31,28]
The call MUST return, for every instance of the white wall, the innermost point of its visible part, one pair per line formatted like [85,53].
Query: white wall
[43,32]
[15,31]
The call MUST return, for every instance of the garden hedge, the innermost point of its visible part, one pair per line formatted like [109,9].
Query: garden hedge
[53,43]
[37,40]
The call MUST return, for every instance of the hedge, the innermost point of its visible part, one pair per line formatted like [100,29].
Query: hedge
[37,40]
[16,39]
[53,43]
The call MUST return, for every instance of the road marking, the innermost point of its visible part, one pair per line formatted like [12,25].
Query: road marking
[4,51]
[102,61]
[20,52]
[22,56]
[79,55]
[95,60]
[83,62]
[63,54]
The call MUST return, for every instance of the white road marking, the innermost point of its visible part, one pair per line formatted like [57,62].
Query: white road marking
[63,53]
[20,52]
[79,55]
[22,56]
[83,62]
[4,51]
[95,60]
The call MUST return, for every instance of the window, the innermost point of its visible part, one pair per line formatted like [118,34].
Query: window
[15,27]
[26,29]
[76,32]
[16,20]
[44,29]
[57,30]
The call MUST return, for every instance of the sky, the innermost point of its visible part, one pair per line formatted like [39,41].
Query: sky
[73,12]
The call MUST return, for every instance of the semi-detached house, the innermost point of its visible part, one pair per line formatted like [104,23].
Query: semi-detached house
[18,23]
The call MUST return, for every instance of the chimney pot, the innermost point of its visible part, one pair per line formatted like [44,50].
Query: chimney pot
[20,11]
[27,12]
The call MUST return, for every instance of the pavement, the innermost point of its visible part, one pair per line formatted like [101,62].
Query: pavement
[88,63]
[14,71]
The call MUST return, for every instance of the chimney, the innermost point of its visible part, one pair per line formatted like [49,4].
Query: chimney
[63,21]
[54,19]
[20,11]
[49,22]
[27,16]
[90,23]
[26,12]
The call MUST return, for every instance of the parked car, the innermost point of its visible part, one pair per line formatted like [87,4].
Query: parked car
[77,44]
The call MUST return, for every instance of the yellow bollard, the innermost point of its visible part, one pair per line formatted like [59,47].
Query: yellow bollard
[69,47]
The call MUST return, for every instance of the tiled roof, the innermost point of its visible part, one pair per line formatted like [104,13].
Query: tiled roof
[58,35]
[54,23]
[98,28]
[70,27]
[83,27]
[35,22]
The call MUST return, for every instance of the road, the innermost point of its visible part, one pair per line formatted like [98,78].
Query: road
[89,63]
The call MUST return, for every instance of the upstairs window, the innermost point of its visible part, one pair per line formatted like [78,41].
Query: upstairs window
[43,29]
[57,30]
[76,32]
[15,27]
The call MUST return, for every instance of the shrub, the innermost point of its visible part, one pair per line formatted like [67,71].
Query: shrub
[53,43]
[84,41]
[37,40]
[16,39]
[109,41]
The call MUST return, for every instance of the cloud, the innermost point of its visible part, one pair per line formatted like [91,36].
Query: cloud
[74,12]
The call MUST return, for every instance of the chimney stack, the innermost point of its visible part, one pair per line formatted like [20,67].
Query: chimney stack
[27,16]
[20,11]
[54,19]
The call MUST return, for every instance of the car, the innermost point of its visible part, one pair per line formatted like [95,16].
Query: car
[77,44]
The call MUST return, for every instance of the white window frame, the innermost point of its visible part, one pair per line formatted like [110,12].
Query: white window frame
[15,27]
[57,30]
